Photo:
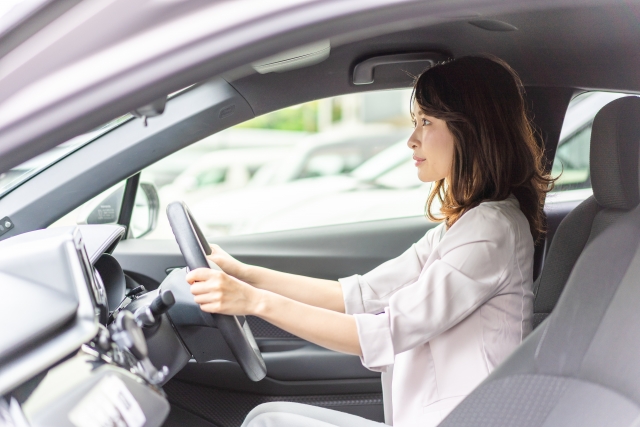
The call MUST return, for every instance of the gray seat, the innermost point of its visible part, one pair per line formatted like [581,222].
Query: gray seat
[614,178]
[581,367]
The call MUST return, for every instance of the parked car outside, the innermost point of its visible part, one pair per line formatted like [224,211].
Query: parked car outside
[166,171]
[218,171]
[215,172]
[333,152]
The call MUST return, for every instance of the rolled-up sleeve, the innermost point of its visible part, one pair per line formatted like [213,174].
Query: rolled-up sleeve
[375,333]
[352,294]
[467,274]
[370,292]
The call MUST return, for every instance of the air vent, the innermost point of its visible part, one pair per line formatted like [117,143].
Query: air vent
[300,57]
[493,25]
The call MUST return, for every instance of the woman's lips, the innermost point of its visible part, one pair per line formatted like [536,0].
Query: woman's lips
[418,160]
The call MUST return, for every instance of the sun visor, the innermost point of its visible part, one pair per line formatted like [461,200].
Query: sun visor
[300,57]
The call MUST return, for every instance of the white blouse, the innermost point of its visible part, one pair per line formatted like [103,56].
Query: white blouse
[440,317]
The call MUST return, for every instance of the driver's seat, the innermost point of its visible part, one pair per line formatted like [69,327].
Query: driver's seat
[581,367]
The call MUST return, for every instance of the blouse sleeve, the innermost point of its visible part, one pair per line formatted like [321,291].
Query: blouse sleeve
[468,273]
[370,293]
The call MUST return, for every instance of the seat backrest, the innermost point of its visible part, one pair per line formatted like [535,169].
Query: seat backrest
[614,177]
[582,366]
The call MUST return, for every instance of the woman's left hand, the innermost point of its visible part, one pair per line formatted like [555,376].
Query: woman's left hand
[218,292]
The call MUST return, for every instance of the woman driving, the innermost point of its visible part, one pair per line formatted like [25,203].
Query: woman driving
[440,317]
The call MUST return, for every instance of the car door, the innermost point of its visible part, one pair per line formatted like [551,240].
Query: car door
[218,391]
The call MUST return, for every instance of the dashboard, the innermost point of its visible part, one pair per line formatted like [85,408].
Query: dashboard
[70,342]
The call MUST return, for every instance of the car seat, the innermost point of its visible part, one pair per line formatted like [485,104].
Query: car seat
[581,367]
[614,177]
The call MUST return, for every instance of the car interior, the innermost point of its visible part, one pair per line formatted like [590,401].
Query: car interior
[578,367]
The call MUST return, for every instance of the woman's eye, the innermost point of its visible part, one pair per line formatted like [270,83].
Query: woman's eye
[425,122]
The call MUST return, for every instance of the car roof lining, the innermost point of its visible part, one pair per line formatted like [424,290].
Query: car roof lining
[569,47]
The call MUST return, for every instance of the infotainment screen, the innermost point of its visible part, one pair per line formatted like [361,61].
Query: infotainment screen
[96,287]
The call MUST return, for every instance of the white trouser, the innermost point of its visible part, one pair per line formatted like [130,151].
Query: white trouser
[287,414]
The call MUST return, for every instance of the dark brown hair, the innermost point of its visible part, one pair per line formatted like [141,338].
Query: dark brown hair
[496,152]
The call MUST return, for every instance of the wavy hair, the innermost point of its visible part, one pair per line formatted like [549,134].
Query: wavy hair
[495,149]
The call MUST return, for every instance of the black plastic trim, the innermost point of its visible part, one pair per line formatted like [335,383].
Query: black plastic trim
[128,203]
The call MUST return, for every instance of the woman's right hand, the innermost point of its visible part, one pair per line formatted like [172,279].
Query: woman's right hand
[227,263]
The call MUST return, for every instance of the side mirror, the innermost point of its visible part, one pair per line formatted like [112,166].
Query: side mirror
[146,211]
[102,209]
[105,209]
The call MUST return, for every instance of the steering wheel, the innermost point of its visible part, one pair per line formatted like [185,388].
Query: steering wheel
[234,329]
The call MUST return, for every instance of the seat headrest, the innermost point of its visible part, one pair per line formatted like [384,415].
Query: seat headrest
[615,147]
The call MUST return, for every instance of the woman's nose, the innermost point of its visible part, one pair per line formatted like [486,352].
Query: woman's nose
[412,142]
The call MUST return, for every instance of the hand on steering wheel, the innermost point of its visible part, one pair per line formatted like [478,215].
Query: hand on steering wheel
[218,292]
[234,329]
[226,262]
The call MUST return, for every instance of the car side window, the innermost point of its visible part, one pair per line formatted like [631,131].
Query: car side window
[323,162]
[571,164]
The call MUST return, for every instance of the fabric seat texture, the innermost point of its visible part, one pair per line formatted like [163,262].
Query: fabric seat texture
[614,177]
[581,367]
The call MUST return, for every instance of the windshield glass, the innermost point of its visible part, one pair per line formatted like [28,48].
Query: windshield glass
[16,176]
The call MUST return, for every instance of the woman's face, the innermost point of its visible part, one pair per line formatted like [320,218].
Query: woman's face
[432,145]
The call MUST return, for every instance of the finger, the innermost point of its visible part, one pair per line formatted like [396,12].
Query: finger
[207,298]
[200,275]
[215,249]
[205,287]
[211,308]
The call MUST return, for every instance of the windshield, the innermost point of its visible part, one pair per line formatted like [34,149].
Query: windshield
[16,176]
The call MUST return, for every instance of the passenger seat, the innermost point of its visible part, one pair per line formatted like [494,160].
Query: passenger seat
[615,143]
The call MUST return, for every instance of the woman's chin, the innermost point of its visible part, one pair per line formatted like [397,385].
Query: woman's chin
[427,178]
